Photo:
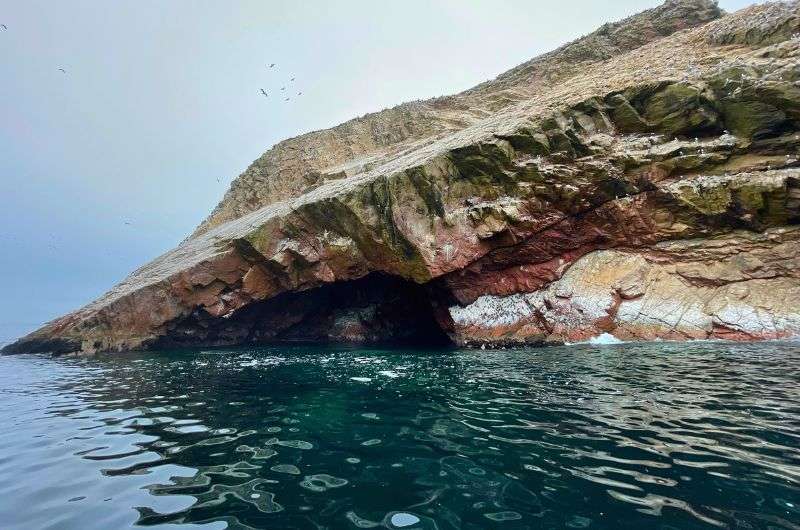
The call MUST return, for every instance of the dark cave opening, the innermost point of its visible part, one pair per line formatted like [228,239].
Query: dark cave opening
[375,310]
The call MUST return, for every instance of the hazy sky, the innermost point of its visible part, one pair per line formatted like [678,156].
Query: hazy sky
[161,99]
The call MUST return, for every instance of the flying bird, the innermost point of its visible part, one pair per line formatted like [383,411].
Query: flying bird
[283,88]
[292,79]
[265,93]
[4,27]
[62,70]
[128,223]
[299,93]
[287,99]
[271,65]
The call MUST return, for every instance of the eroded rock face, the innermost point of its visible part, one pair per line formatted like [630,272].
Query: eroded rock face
[738,286]
[642,181]
[299,165]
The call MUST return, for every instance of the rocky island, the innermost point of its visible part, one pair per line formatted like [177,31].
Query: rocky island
[642,181]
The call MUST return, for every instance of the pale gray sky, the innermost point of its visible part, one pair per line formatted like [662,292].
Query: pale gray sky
[161,98]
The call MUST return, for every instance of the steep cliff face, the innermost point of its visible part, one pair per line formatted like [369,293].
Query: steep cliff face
[298,165]
[642,181]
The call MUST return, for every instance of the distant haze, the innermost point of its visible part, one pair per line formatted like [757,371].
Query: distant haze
[114,161]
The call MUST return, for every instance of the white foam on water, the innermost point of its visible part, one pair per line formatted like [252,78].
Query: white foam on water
[362,379]
[604,338]
[600,340]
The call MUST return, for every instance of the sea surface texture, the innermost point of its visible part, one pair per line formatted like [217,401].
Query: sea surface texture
[664,436]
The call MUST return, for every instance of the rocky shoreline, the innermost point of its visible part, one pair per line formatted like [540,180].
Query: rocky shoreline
[643,181]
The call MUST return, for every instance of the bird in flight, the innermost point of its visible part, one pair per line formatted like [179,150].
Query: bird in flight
[4,27]
[265,93]
[271,65]
[292,79]
[128,223]
[299,93]
[62,70]
[287,99]
[283,88]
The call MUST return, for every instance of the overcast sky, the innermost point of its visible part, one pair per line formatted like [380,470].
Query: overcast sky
[159,109]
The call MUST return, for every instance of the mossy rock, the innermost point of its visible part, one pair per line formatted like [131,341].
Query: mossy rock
[561,143]
[674,98]
[784,96]
[554,122]
[751,198]
[483,162]
[626,118]
[638,95]
[529,141]
[753,119]
[708,201]
[590,116]
[732,78]
[680,110]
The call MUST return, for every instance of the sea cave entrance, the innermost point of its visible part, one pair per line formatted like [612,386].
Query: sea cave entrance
[375,310]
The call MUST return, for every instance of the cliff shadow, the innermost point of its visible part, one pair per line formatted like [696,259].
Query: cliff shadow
[375,310]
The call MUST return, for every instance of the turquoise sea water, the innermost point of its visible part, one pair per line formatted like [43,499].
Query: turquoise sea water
[666,436]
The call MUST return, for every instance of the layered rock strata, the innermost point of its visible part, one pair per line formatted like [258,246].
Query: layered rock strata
[642,181]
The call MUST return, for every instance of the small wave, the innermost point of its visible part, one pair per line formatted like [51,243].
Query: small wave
[604,338]
[600,340]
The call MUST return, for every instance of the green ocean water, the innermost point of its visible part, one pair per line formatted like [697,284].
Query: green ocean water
[662,435]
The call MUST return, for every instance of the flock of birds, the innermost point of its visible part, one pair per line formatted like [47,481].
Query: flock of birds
[263,92]
[283,88]
[3,27]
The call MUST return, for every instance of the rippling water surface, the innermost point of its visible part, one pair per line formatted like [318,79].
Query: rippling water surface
[669,436]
